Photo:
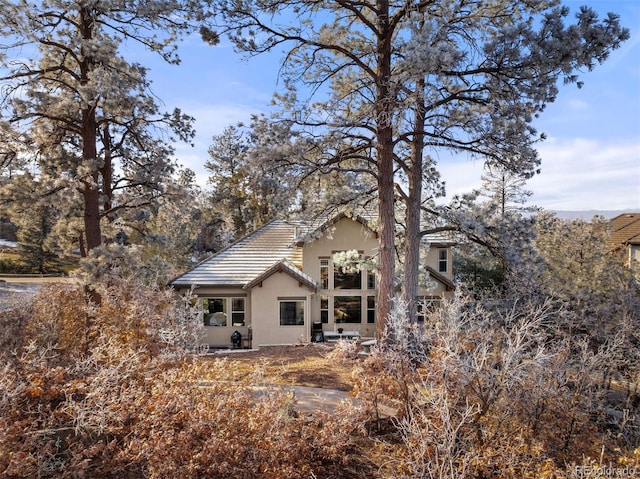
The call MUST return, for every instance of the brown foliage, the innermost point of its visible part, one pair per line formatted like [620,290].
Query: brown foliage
[93,391]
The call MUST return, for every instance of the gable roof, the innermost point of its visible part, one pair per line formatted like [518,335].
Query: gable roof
[448,284]
[277,246]
[625,229]
[246,259]
[284,266]
[311,230]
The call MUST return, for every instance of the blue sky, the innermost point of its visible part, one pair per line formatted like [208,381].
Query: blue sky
[590,160]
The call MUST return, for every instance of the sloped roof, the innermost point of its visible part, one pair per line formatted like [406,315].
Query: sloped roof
[286,267]
[310,230]
[277,246]
[450,285]
[625,229]
[246,259]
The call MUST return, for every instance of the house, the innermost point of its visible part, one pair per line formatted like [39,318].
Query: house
[275,283]
[625,238]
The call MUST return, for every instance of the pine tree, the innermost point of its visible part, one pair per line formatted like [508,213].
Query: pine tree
[87,115]
[373,77]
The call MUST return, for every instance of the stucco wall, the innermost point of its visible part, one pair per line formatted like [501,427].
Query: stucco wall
[266,311]
[346,234]
[221,335]
[433,260]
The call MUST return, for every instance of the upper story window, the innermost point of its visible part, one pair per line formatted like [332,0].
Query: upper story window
[347,270]
[442,260]
[346,280]
[324,273]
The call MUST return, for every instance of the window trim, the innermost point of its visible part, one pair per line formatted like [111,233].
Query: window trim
[207,316]
[324,301]
[325,264]
[335,316]
[371,309]
[281,301]
[242,311]
[443,260]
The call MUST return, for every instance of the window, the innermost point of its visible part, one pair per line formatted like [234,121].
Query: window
[237,311]
[347,309]
[371,279]
[215,311]
[292,312]
[324,309]
[344,280]
[371,309]
[324,273]
[442,260]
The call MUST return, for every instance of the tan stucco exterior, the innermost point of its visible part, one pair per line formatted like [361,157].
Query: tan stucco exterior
[265,299]
[220,336]
[344,235]
[348,305]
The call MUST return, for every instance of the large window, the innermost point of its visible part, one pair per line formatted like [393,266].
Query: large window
[442,260]
[292,312]
[215,311]
[346,280]
[347,309]
[237,311]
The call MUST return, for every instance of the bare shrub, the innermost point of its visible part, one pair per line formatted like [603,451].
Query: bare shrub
[485,390]
[97,391]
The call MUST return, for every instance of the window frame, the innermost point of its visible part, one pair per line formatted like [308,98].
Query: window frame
[208,316]
[324,273]
[297,301]
[443,260]
[338,320]
[238,312]
[324,309]
[371,309]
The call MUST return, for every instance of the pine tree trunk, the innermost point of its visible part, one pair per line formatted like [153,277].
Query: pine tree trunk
[384,110]
[91,192]
[412,236]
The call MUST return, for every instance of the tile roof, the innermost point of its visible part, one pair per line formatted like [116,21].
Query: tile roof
[287,267]
[246,259]
[277,246]
[625,229]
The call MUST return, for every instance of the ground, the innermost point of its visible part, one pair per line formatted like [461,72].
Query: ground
[307,365]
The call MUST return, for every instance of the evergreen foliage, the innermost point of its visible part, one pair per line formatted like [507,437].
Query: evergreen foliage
[381,85]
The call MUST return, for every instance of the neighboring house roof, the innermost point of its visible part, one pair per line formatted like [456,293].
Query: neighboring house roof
[247,259]
[625,229]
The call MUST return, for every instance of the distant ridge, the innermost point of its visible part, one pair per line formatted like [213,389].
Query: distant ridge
[588,215]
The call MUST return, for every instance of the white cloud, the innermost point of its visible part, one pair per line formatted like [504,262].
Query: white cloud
[581,174]
[577,174]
